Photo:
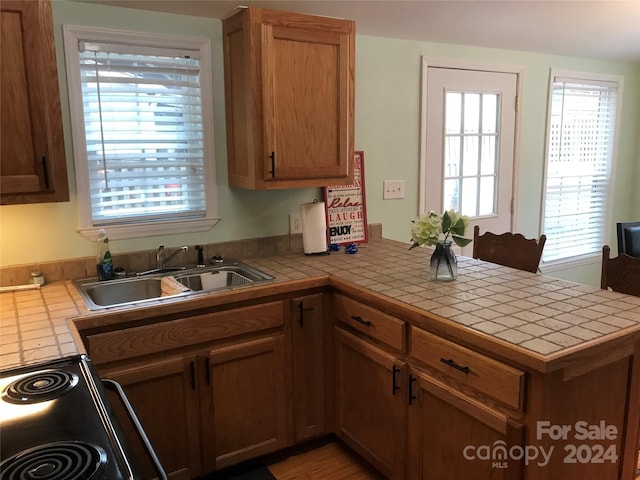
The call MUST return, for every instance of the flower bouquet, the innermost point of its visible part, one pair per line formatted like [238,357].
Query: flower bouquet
[440,230]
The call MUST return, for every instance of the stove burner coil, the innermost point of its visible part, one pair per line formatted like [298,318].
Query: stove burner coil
[40,387]
[55,461]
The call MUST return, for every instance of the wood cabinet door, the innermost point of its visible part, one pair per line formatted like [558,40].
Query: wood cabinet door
[244,402]
[307,98]
[309,400]
[371,403]
[164,396]
[446,430]
[32,160]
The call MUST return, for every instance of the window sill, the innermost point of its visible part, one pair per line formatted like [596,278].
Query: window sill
[122,232]
[566,264]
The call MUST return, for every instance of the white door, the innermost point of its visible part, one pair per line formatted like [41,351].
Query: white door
[468,156]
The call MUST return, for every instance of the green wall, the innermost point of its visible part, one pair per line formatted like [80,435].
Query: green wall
[388,79]
[388,86]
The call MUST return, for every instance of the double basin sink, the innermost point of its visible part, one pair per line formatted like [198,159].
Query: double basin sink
[151,286]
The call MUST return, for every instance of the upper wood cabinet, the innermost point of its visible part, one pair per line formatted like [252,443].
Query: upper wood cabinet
[32,160]
[289,83]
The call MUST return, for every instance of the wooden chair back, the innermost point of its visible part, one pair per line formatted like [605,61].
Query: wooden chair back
[620,274]
[508,249]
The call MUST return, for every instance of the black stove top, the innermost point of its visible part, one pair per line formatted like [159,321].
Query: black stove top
[59,461]
[57,424]
[39,387]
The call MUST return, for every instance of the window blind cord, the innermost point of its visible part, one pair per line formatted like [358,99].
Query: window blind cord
[104,157]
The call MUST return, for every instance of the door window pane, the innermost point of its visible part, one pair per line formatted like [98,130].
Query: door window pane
[470,159]
[470,196]
[452,157]
[471,112]
[488,156]
[454,112]
[489,113]
[487,196]
[452,194]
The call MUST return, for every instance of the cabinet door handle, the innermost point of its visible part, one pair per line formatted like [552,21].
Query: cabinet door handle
[45,172]
[301,311]
[453,364]
[394,384]
[192,371]
[412,397]
[207,371]
[359,319]
[273,164]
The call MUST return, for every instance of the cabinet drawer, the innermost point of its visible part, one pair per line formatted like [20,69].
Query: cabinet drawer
[371,322]
[159,337]
[484,374]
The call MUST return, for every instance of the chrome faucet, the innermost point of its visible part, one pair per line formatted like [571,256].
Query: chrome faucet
[161,259]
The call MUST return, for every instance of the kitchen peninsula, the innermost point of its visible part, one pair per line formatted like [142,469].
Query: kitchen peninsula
[546,368]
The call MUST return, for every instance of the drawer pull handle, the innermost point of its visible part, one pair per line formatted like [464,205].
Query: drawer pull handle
[394,384]
[453,364]
[359,319]
[412,397]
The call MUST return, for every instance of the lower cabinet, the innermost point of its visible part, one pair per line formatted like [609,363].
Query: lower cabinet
[243,402]
[208,411]
[308,366]
[371,402]
[414,425]
[210,389]
[452,436]
[164,396]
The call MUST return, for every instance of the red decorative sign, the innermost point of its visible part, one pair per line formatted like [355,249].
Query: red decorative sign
[346,208]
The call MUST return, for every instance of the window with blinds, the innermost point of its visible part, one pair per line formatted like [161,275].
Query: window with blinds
[145,149]
[580,152]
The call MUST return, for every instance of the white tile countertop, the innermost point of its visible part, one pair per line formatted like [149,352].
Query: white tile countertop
[533,314]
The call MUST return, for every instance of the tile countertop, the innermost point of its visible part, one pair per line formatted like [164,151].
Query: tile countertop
[531,314]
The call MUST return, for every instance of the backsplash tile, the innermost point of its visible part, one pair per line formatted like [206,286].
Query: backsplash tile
[146,259]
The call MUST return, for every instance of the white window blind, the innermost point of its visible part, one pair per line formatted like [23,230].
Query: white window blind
[580,145]
[144,133]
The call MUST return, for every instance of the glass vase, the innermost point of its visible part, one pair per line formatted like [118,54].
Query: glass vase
[444,265]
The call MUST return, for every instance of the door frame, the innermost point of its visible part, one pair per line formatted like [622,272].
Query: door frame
[518,70]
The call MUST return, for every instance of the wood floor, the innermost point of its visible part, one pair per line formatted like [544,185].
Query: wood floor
[328,460]
[331,461]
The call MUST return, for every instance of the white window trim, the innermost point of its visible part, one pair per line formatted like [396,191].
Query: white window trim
[73,35]
[565,263]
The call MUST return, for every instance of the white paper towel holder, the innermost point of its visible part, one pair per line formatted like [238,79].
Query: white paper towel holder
[314,228]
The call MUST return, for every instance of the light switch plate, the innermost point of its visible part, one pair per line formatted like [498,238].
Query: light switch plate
[392,189]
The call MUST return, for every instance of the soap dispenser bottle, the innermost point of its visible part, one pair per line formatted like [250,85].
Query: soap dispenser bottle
[104,262]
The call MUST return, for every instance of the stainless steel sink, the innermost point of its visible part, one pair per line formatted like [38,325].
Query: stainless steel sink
[115,292]
[134,290]
[215,278]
